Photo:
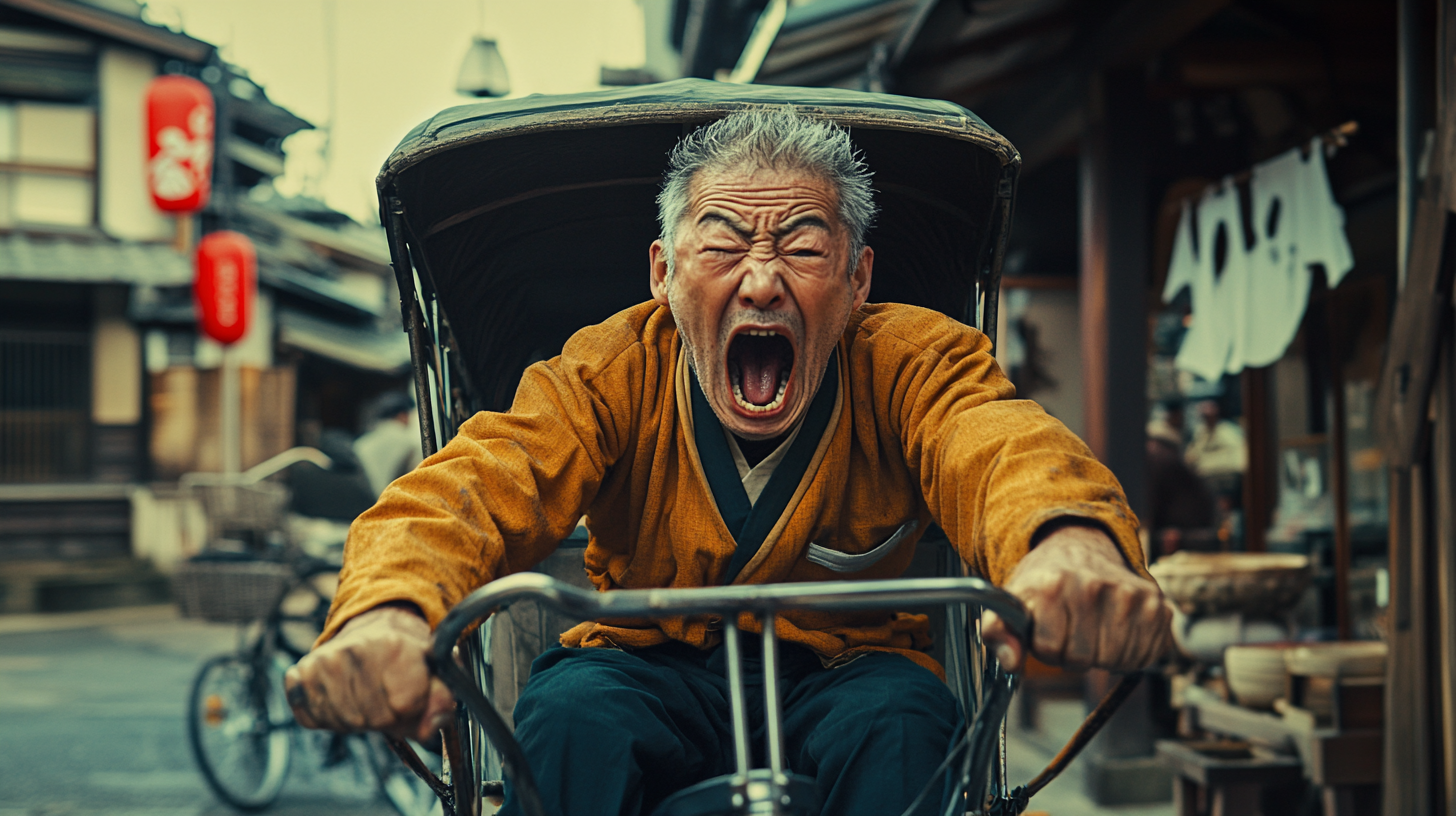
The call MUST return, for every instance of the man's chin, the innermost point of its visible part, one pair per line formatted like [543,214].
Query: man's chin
[759,429]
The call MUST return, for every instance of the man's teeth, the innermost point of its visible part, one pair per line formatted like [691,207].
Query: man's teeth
[748,406]
[761,333]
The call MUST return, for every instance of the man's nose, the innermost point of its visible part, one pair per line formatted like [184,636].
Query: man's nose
[761,287]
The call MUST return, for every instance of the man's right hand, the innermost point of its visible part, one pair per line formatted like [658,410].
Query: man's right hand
[372,677]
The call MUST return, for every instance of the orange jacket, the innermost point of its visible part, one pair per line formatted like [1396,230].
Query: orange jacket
[925,428]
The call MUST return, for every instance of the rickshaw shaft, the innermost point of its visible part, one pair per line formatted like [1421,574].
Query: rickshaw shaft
[737,707]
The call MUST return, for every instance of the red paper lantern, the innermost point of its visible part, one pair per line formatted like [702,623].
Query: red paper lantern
[179,143]
[226,283]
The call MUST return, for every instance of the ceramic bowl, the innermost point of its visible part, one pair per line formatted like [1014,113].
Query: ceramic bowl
[1256,673]
[1255,584]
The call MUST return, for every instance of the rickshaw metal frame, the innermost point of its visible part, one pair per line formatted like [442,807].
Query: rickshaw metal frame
[773,795]
[438,374]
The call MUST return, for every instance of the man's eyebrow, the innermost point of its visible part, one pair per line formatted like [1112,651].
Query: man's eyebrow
[724,220]
[799,223]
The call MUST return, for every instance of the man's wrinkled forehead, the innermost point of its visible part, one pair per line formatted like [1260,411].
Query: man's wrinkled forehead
[783,194]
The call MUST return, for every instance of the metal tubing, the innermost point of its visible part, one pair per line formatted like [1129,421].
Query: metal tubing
[762,599]
[773,716]
[983,743]
[488,757]
[957,662]
[736,706]
[956,669]
[409,304]
[442,373]
[517,771]
[632,603]
[424,398]
[412,760]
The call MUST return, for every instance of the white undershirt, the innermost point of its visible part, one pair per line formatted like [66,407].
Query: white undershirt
[755,479]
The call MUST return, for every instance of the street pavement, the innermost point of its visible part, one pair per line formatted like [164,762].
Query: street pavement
[1028,752]
[92,721]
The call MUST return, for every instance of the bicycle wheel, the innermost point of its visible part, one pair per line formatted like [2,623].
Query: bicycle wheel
[406,792]
[305,607]
[240,729]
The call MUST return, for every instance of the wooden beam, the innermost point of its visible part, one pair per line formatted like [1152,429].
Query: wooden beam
[1113,279]
[1407,788]
[1142,28]
[1423,308]
[1443,467]
[117,26]
[1037,95]
[1421,313]
[995,39]
[1242,64]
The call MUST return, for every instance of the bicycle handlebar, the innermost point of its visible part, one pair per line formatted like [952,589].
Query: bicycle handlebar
[762,598]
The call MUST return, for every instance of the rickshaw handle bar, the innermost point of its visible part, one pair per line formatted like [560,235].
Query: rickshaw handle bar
[762,599]
[642,603]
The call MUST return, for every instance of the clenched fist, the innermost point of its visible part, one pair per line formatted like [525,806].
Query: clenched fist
[1088,609]
[372,677]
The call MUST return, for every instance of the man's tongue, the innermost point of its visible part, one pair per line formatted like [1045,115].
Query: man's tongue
[761,373]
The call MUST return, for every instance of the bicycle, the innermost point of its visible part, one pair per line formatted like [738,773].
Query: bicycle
[239,726]
[242,733]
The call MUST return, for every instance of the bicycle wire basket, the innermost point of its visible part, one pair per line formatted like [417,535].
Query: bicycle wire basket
[259,506]
[230,591]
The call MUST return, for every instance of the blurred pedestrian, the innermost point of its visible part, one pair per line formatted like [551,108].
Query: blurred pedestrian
[1218,447]
[1219,454]
[1182,513]
[392,448]
[1167,424]
[340,492]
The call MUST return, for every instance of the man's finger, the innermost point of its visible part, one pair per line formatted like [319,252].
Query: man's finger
[1049,635]
[407,694]
[1160,612]
[438,711]
[1079,648]
[999,640]
[1119,641]
[369,694]
[330,696]
[297,695]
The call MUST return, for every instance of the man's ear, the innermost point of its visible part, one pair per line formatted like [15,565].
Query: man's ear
[860,280]
[657,271]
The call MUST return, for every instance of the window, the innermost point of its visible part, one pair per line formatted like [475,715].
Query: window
[47,164]
[45,401]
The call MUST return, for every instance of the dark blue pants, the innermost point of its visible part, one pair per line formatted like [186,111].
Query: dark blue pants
[609,732]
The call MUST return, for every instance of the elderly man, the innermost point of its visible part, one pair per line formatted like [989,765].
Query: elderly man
[756,422]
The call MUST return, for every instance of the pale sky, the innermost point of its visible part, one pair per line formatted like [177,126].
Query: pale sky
[395,64]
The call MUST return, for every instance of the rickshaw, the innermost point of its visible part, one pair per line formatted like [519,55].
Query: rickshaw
[514,223]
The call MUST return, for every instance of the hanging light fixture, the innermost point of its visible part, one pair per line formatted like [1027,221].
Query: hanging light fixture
[483,72]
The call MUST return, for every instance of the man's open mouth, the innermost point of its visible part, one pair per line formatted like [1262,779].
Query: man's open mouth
[760,365]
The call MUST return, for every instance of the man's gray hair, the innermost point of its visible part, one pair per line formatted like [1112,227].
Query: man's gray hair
[770,138]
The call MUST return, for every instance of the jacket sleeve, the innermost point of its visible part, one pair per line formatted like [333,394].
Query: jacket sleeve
[499,497]
[994,469]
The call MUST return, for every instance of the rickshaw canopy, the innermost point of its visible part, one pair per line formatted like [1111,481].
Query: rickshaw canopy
[526,219]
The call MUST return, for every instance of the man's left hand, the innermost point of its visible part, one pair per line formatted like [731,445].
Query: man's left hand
[1088,608]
